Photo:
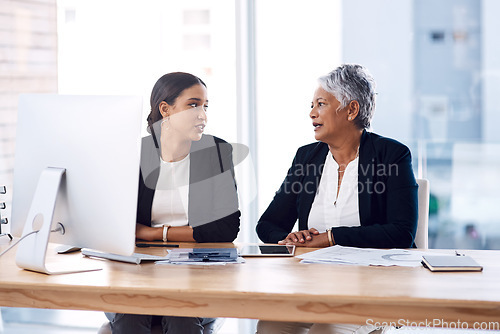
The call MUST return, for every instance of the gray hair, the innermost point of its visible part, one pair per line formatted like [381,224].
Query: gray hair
[352,82]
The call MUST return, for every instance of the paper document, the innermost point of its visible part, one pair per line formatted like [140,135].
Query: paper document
[365,256]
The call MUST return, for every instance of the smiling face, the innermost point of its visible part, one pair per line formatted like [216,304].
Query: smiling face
[330,121]
[186,119]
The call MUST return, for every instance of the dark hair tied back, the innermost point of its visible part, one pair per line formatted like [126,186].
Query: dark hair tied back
[168,88]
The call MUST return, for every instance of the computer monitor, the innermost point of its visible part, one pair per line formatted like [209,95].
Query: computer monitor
[83,151]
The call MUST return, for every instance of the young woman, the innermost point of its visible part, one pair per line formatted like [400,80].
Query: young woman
[187,190]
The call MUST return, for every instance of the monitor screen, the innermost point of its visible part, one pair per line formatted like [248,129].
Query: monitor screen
[97,141]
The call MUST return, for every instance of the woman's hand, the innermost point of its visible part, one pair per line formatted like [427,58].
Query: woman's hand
[306,238]
[299,238]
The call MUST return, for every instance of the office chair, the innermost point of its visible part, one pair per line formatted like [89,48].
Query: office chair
[157,329]
[106,329]
[422,237]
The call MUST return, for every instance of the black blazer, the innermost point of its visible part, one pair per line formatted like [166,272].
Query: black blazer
[213,202]
[388,202]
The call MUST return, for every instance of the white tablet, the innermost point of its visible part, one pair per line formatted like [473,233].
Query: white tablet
[267,250]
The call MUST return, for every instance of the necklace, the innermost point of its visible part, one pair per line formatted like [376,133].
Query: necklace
[339,178]
[341,171]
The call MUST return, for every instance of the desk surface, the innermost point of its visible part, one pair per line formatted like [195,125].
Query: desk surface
[263,288]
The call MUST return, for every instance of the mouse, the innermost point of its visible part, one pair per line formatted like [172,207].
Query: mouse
[65,249]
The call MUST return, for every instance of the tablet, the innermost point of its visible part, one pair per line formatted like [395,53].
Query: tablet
[267,250]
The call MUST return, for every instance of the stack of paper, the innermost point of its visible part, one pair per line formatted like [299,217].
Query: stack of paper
[364,256]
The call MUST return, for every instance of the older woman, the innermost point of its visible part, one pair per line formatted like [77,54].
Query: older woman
[352,188]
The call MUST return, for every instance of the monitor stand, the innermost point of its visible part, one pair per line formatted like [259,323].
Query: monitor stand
[32,251]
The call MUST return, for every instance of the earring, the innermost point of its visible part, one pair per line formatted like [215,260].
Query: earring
[164,112]
[165,120]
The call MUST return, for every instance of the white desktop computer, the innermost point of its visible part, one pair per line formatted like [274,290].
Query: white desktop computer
[76,172]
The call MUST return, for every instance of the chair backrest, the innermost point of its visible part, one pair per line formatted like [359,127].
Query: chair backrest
[211,328]
[422,236]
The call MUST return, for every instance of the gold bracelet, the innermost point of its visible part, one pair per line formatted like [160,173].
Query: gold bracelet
[329,234]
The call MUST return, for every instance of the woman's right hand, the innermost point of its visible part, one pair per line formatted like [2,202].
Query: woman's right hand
[299,237]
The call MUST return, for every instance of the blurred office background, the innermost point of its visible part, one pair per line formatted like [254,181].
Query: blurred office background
[436,63]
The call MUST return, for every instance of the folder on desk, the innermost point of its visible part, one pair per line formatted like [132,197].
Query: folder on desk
[136,258]
[450,263]
[203,255]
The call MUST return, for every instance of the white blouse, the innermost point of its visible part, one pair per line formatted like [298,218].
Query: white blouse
[329,210]
[171,198]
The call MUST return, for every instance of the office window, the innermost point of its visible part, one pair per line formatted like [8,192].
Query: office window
[437,36]
[196,42]
[196,17]
[145,41]
[436,64]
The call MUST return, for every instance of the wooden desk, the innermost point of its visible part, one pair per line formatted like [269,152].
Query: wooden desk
[265,288]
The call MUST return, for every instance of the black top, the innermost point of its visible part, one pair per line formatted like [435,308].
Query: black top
[387,193]
[213,202]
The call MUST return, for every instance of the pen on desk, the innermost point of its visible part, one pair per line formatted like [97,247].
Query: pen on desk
[143,244]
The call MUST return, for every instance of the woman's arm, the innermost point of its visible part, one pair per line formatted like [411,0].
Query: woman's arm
[148,233]
[143,229]
[224,198]
[393,206]
[278,220]
[174,233]
[222,230]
